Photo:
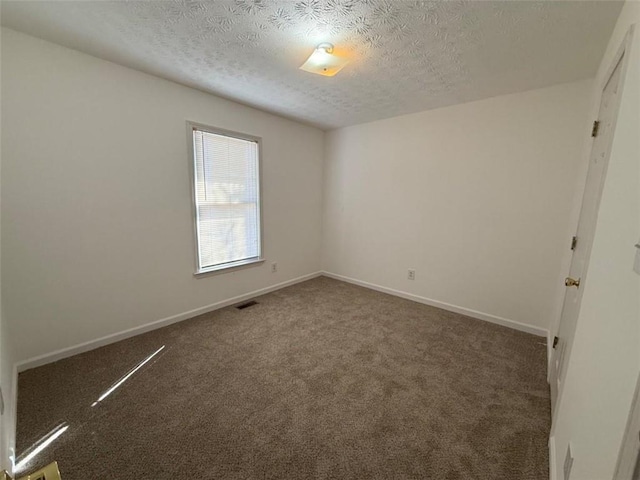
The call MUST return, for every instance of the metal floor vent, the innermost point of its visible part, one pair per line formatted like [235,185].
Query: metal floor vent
[248,304]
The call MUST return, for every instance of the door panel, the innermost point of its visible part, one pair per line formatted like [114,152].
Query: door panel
[598,161]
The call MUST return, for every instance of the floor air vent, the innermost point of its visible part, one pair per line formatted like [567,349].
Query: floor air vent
[248,304]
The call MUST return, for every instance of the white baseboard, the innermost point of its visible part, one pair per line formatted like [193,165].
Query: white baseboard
[552,459]
[131,332]
[114,337]
[505,322]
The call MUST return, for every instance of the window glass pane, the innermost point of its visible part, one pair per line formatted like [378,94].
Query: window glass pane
[227,199]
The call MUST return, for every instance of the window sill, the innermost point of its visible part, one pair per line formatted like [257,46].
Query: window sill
[228,267]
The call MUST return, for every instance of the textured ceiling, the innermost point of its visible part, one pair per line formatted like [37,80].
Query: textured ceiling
[406,56]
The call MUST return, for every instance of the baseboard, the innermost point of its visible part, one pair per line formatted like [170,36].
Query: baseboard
[505,322]
[552,459]
[115,337]
[131,332]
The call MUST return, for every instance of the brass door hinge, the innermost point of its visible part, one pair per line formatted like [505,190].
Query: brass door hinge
[574,242]
[595,128]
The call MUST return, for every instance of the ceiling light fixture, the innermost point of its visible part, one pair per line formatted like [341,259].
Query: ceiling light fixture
[324,62]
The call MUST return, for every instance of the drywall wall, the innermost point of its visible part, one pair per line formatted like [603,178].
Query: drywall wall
[605,358]
[97,227]
[473,197]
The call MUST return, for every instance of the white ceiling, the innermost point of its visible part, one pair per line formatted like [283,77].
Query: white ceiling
[407,56]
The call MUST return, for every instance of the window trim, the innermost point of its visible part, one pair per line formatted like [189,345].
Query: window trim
[238,264]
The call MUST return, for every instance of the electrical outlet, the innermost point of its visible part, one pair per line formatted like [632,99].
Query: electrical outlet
[412,274]
[274,267]
[568,462]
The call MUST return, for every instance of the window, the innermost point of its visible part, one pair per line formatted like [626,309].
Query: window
[226,181]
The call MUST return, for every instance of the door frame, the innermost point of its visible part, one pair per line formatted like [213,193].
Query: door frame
[629,451]
[620,56]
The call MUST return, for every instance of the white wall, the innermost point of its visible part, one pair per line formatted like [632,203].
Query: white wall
[605,357]
[97,228]
[475,197]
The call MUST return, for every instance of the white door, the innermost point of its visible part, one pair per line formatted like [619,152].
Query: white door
[598,161]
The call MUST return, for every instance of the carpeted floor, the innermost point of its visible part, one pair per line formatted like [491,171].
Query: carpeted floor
[322,380]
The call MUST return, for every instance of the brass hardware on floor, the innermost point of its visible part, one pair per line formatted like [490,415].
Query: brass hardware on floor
[50,472]
[570,282]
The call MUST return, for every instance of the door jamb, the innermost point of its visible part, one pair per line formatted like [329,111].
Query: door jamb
[628,454]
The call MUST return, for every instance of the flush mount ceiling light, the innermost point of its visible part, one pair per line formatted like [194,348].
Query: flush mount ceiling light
[324,62]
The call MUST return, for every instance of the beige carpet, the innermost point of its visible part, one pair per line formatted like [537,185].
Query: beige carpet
[320,380]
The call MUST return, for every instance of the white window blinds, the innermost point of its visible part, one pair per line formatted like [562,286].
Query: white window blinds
[227,200]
